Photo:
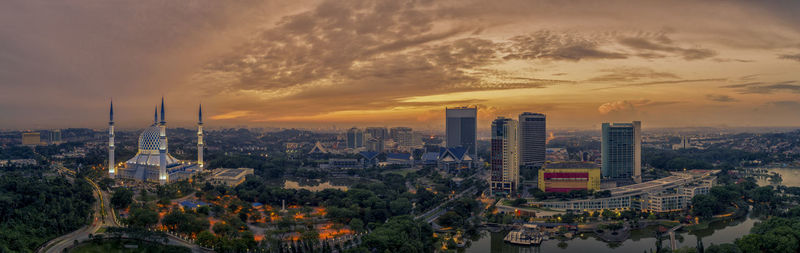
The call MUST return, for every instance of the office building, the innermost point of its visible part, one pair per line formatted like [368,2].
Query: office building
[355,138]
[461,128]
[622,151]
[31,139]
[569,176]
[504,160]
[532,139]
[375,145]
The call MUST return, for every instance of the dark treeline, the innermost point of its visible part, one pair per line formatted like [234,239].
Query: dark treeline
[34,210]
[675,160]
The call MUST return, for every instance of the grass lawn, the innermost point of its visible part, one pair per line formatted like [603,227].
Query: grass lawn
[112,245]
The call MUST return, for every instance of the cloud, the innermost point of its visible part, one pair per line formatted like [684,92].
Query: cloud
[765,88]
[631,74]
[629,106]
[649,47]
[720,98]
[232,115]
[794,57]
[556,46]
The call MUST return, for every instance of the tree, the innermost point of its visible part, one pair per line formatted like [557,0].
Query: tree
[206,239]
[723,248]
[142,218]
[705,205]
[122,198]
[357,225]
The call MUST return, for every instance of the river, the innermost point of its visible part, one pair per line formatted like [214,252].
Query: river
[643,240]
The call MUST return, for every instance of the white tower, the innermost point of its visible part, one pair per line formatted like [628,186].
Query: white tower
[111,168]
[162,149]
[200,143]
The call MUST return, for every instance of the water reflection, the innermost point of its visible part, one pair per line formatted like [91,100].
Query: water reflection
[789,176]
[717,233]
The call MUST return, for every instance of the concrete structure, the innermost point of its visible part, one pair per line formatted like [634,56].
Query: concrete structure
[684,144]
[461,126]
[532,139]
[112,169]
[355,138]
[375,144]
[230,177]
[622,151]
[31,139]
[504,160]
[569,176]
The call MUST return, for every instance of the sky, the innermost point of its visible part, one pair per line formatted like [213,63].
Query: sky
[341,63]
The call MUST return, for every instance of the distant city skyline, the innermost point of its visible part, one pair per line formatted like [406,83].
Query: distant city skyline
[254,64]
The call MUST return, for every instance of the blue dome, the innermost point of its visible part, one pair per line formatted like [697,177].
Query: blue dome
[149,140]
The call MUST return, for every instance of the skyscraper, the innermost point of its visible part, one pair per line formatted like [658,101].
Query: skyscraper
[200,144]
[532,138]
[355,138]
[504,160]
[461,128]
[622,151]
[55,136]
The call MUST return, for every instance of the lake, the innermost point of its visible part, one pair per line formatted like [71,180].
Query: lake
[790,176]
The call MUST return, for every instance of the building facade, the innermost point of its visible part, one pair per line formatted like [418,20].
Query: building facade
[504,159]
[403,136]
[569,176]
[461,126]
[355,138]
[532,139]
[31,139]
[377,132]
[622,150]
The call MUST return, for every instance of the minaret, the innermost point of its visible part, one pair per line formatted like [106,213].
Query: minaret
[162,150]
[200,143]
[155,116]
[111,168]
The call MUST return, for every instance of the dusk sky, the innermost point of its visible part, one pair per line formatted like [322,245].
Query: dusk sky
[390,63]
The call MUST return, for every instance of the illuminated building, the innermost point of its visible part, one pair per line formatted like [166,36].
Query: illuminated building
[569,176]
[230,177]
[111,164]
[504,160]
[152,162]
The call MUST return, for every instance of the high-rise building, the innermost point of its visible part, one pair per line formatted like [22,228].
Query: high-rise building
[200,144]
[403,136]
[622,151]
[31,139]
[377,132]
[112,171]
[355,138]
[461,128]
[504,160]
[532,139]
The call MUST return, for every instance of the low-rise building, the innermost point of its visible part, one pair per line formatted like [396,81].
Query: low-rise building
[230,177]
[569,176]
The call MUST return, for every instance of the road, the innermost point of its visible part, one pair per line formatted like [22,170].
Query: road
[100,219]
[434,213]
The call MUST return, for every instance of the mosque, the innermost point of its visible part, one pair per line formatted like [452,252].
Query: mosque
[153,163]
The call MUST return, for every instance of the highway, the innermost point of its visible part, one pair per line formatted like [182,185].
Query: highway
[103,217]
[100,218]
